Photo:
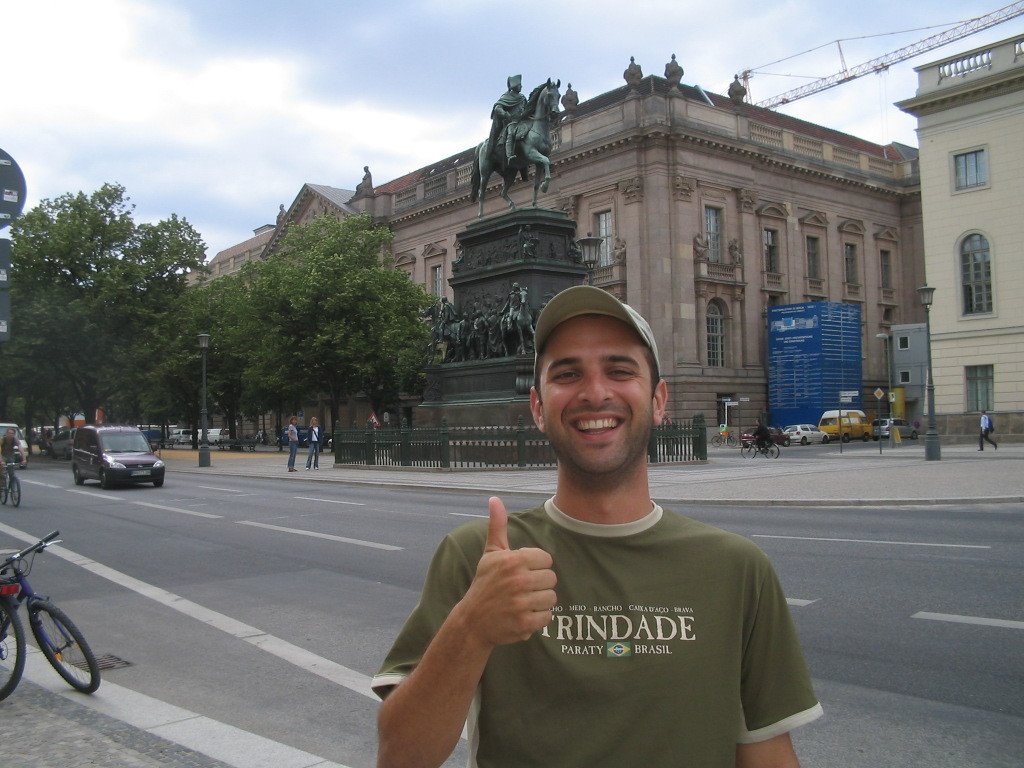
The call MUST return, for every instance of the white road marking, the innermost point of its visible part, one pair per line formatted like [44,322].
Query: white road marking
[330,501]
[328,536]
[179,510]
[230,745]
[873,541]
[293,654]
[798,602]
[215,488]
[466,514]
[95,495]
[36,482]
[969,620]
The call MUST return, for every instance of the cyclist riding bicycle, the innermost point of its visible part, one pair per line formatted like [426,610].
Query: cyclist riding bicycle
[762,437]
[9,450]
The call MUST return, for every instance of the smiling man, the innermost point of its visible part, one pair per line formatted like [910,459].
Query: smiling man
[597,629]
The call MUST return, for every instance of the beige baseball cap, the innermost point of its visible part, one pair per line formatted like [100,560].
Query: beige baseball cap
[588,300]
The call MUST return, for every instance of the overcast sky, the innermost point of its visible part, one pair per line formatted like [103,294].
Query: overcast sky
[219,110]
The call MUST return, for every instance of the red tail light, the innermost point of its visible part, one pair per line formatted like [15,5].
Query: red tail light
[10,589]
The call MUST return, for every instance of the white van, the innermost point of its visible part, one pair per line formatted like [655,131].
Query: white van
[179,437]
[854,424]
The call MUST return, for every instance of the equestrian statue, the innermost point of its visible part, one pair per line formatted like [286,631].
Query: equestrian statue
[520,136]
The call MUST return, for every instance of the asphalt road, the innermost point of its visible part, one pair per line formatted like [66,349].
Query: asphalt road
[267,605]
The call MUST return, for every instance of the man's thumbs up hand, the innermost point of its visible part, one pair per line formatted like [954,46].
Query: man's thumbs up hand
[513,593]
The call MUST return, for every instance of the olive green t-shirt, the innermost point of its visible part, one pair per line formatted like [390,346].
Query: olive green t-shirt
[671,643]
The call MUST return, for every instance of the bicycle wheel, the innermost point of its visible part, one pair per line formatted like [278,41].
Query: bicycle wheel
[731,441]
[773,451]
[12,648]
[3,491]
[746,450]
[717,441]
[15,491]
[63,646]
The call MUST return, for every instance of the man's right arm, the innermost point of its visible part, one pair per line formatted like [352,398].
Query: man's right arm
[510,598]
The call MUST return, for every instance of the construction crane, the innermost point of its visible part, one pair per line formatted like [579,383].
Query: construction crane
[882,63]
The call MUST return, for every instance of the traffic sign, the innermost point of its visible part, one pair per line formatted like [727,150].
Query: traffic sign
[848,393]
[12,190]
[879,393]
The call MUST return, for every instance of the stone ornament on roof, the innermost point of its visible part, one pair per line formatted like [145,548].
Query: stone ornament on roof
[365,187]
[633,74]
[673,72]
[570,100]
[736,90]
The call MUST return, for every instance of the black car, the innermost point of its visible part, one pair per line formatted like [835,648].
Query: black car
[114,455]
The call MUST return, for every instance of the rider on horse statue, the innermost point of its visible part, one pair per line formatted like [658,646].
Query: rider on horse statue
[507,112]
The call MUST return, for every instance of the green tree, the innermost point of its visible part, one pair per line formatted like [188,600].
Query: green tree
[341,323]
[89,289]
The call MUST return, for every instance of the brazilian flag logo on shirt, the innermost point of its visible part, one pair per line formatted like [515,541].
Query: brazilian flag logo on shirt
[619,650]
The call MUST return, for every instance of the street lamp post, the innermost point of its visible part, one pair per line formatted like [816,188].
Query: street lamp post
[932,451]
[204,445]
[590,247]
[887,350]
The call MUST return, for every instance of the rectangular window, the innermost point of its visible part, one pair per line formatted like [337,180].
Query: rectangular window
[980,387]
[713,232]
[903,342]
[971,169]
[603,229]
[771,251]
[813,247]
[850,261]
[885,268]
[437,280]
[904,377]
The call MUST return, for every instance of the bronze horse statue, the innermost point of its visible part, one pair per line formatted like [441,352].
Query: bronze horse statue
[533,141]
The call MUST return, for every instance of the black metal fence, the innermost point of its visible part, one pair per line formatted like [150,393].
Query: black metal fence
[493,447]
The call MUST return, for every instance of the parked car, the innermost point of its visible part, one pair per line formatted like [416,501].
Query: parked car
[179,437]
[805,433]
[62,442]
[882,427]
[778,437]
[22,447]
[113,455]
[214,436]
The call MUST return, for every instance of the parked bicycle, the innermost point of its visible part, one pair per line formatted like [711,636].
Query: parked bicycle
[768,450]
[12,638]
[57,636]
[10,485]
[725,437]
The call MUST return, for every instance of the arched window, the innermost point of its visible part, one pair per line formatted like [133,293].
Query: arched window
[976,274]
[716,335]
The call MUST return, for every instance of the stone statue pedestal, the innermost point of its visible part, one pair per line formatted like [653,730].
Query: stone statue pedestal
[533,248]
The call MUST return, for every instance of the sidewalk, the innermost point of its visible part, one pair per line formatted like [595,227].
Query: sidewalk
[801,476]
[43,723]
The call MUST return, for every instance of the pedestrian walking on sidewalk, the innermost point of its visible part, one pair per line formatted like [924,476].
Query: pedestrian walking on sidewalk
[293,442]
[987,427]
[313,456]
[597,629]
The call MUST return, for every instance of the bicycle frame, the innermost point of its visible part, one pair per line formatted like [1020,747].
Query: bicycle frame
[10,572]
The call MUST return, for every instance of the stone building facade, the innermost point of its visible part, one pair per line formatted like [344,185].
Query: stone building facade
[970,110]
[710,210]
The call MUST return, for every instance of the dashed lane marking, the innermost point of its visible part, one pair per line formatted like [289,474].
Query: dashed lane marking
[330,501]
[873,541]
[954,618]
[317,535]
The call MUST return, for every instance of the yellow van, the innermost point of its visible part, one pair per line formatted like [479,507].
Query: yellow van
[854,424]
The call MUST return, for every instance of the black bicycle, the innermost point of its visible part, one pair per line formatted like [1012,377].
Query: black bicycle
[57,636]
[12,638]
[10,486]
[768,450]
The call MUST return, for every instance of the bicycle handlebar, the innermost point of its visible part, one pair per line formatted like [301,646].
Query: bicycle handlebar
[39,546]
